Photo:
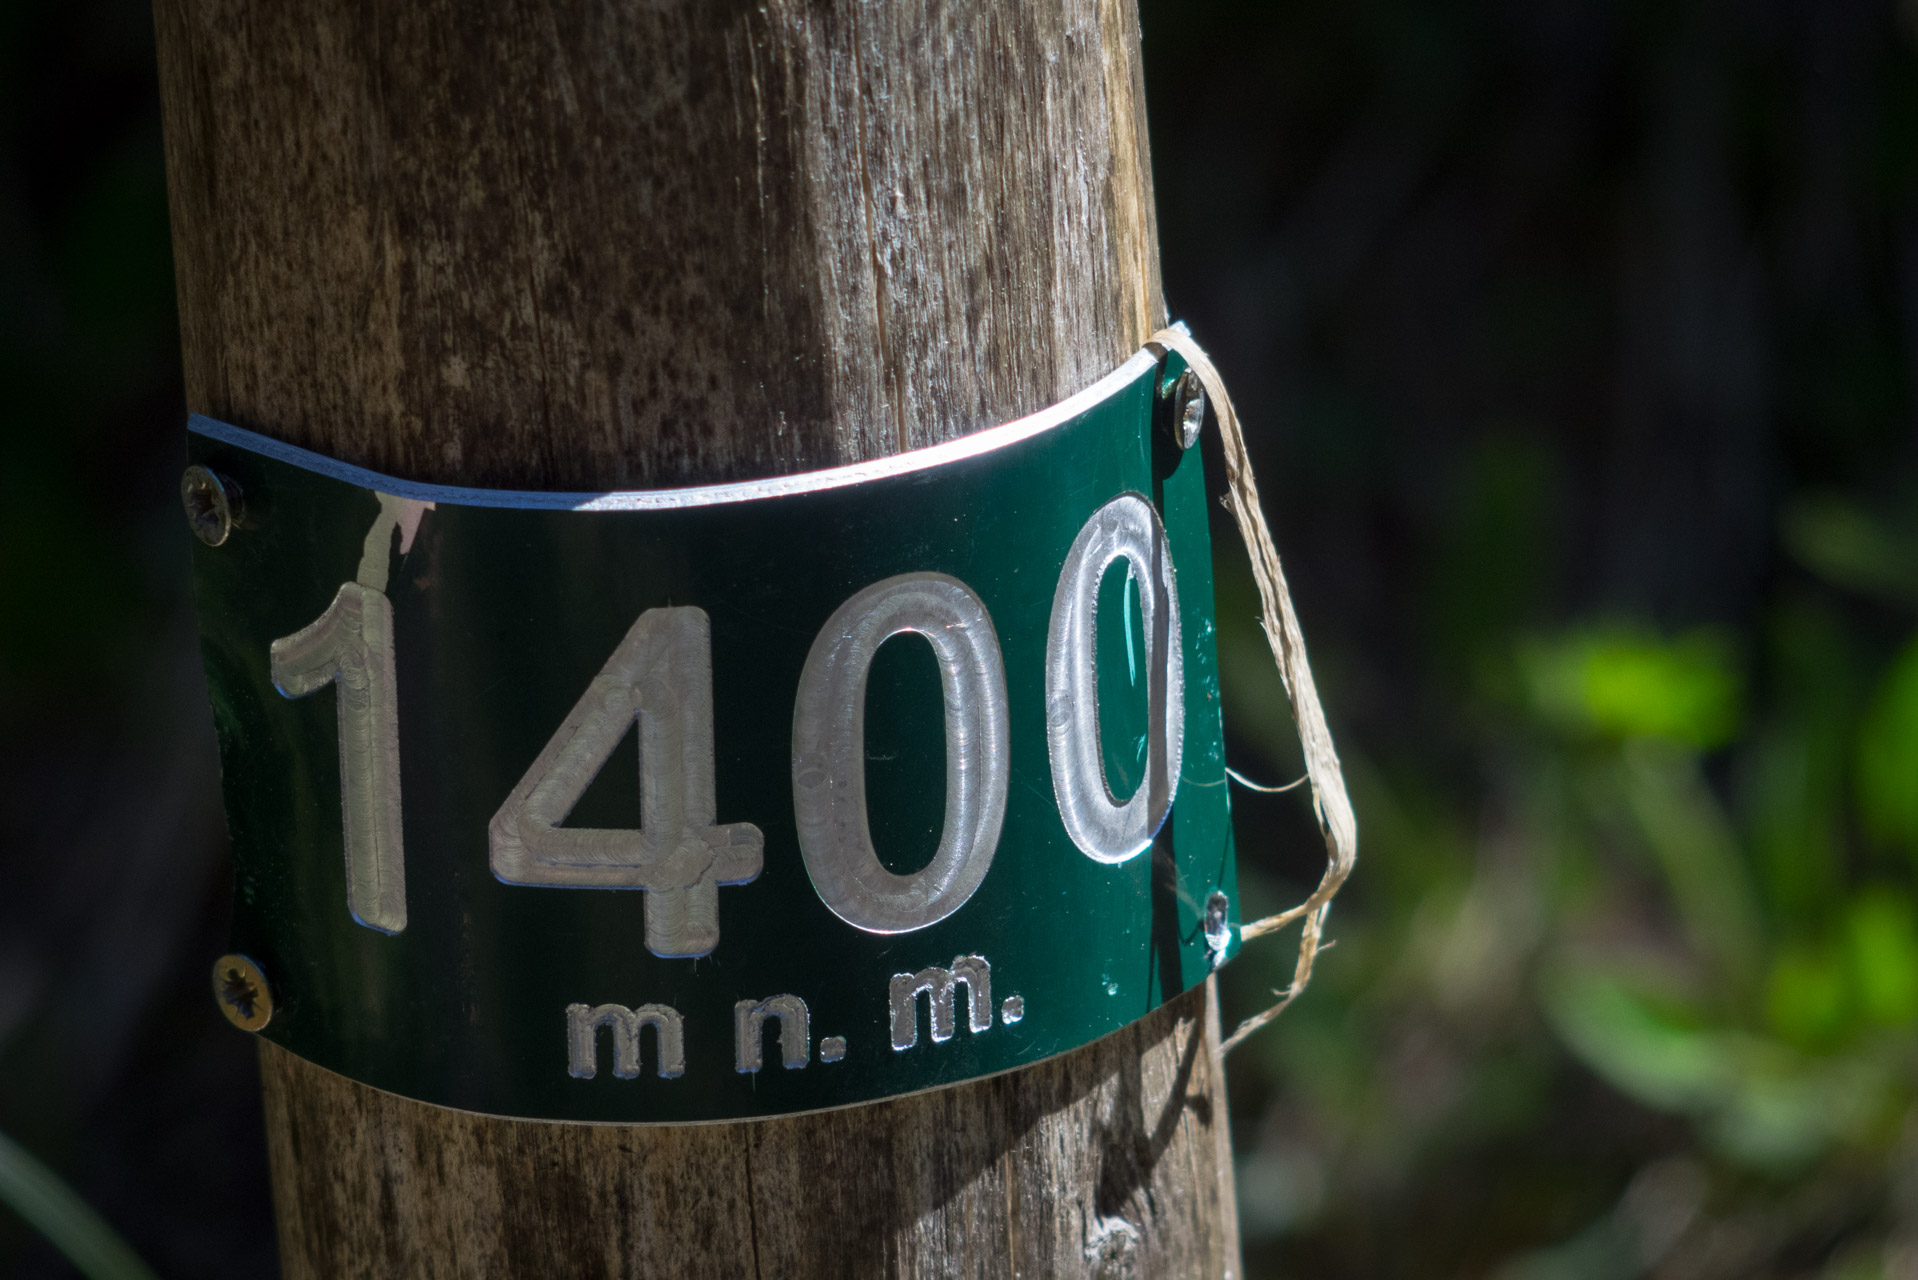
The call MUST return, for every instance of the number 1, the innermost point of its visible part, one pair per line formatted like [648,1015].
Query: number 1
[350,647]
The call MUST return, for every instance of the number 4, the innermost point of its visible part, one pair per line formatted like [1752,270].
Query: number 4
[662,675]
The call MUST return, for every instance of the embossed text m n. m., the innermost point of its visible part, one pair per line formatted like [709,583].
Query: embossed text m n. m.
[938,985]
[582,1039]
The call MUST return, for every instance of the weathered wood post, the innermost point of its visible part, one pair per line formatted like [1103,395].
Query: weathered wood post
[586,245]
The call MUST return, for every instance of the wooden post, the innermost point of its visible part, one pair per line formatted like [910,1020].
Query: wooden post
[583,244]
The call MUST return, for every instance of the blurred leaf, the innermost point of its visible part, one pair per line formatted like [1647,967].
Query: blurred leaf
[1807,1000]
[1843,544]
[1642,1050]
[1758,1102]
[1797,822]
[1888,755]
[1641,1228]
[1606,1250]
[1627,684]
[1883,938]
[1793,786]
[1686,827]
[36,1193]
[1785,1111]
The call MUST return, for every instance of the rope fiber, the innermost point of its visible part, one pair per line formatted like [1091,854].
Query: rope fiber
[1281,626]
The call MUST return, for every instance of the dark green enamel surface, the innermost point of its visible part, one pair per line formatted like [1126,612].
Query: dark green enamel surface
[503,616]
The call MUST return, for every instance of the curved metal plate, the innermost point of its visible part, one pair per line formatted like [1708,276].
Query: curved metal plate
[563,927]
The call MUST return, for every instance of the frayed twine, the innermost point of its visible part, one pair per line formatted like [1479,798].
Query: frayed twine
[1281,626]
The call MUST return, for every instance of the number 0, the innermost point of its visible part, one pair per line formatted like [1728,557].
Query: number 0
[829,753]
[1104,827]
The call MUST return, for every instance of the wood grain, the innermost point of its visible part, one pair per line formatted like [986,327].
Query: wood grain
[1101,1163]
[581,244]
[576,243]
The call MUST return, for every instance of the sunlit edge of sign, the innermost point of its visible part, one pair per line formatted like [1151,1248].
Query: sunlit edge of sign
[710,495]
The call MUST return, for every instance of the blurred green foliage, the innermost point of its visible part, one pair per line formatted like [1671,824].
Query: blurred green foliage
[1578,341]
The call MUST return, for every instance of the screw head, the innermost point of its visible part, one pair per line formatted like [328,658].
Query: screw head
[242,993]
[1218,933]
[1188,402]
[211,504]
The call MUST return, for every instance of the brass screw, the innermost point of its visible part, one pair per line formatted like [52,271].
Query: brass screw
[241,989]
[212,504]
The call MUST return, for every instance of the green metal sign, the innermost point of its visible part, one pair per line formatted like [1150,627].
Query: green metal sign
[719,802]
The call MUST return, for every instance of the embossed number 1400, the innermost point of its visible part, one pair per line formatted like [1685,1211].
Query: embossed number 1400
[660,680]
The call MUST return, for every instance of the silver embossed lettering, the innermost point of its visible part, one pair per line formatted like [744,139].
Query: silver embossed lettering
[829,755]
[582,1039]
[662,676]
[795,1032]
[350,647]
[1105,827]
[938,986]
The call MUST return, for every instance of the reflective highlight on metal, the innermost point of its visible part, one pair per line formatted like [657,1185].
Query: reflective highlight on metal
[938,986]
[582,1039]
[399,516]
[977,445]
[1106,828]
[1188,402]
[660,677]
[241,991]
[795,1032]
[209,505]
[1218,929]
[829,753]
[350,647]
[1012,1009]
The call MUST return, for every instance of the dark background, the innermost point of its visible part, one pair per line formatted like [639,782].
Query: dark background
[1576,341]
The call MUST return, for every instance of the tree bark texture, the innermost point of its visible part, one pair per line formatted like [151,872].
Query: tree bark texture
[581,244]
[1107,1162]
